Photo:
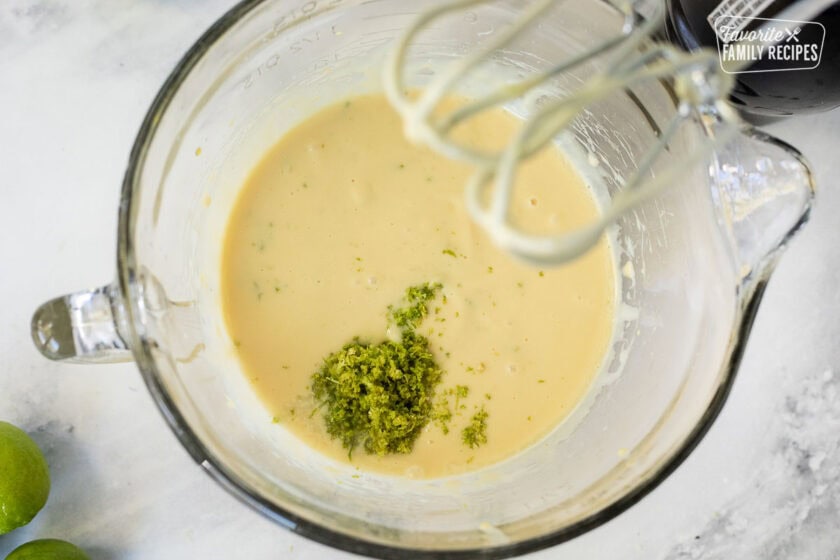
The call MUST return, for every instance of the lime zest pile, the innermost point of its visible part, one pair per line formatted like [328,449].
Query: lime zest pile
[475,434]
[417,297]
[442,414]
[444,410]
[379,395]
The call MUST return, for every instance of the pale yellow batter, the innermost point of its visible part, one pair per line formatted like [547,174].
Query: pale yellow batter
[343,214]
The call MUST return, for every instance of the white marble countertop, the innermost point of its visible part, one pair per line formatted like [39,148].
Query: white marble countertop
[76,77]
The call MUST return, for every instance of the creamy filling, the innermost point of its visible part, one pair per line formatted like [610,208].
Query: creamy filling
[343,214]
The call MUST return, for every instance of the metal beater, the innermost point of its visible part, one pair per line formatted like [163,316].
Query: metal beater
[632,57]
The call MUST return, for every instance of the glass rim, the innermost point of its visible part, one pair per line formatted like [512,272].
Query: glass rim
[127,270]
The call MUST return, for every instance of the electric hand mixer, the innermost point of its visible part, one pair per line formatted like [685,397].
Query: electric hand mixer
[631,57]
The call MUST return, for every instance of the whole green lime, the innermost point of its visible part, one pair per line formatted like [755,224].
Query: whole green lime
[48,549]
[24,478]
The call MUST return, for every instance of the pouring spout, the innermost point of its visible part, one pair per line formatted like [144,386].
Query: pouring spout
[763,189]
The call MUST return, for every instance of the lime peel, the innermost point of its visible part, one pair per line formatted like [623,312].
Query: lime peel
[24,478]
[48,549]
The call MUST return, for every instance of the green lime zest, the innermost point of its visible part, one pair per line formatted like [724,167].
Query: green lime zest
[409,317]
[475,433]
[380,395]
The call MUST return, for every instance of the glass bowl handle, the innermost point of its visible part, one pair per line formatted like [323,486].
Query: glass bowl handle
[84,327]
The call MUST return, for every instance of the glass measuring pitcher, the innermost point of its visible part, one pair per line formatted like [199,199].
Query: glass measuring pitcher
[693,265]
